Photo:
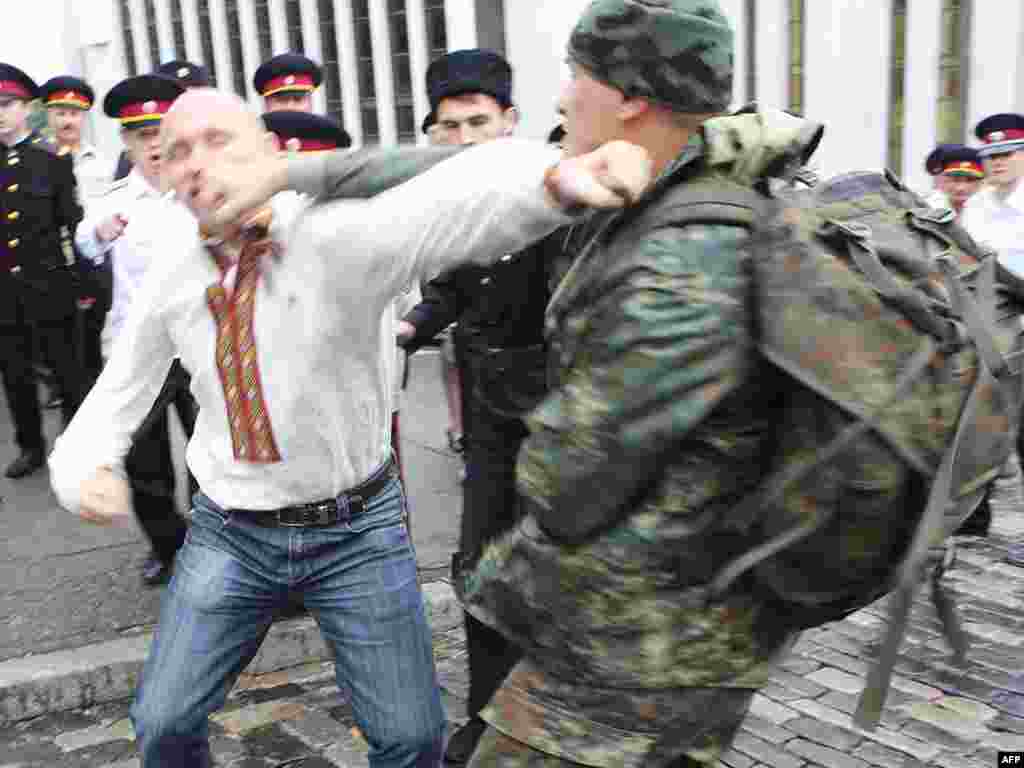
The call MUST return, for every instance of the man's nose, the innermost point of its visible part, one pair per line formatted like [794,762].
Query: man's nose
[467,135]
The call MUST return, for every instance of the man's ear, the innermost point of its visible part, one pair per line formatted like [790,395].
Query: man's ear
[511,117]
[270,143]
[632,108]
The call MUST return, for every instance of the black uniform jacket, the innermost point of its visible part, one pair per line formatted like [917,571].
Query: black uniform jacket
[39,212]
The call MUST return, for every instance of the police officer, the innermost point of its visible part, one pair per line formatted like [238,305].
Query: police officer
[39,212]
[287,82]
[499,349]
[190,76]
[995,217]
[67,100]
[123,229]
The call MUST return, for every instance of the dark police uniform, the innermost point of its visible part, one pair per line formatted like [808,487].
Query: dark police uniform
[499,350]
[190,76]
[39,278]
[97,282]
[139,102]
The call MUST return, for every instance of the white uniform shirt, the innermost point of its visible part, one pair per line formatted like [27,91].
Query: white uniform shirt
[998,224]
[324,326]
[153,219]
[93,173]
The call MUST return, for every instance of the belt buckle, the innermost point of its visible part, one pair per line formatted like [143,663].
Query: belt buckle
[319,514]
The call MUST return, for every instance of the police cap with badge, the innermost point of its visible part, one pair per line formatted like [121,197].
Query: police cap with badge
[287,73]
[185,72]
[67,92]
[16,84]
[1000,134]
[963,161]
[305,132]
[469,71]
[142,100]
[934,162]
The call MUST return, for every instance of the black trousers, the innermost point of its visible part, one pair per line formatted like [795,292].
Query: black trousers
[490,508]
[150,467]
[21,340]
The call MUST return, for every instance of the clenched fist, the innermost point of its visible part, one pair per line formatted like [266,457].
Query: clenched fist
[106,498]
[612,176]
[110,229]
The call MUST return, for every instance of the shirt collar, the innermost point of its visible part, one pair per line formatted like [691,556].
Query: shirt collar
[142,187]
[85,152]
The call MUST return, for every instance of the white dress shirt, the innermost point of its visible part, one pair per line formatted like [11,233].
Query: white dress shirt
[324,327]
[998,223]
[153,218]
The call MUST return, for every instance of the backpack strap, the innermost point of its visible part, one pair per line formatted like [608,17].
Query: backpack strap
[865,256]
[928,531]
[743,514]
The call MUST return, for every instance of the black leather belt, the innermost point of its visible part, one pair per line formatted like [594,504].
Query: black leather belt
[347,506]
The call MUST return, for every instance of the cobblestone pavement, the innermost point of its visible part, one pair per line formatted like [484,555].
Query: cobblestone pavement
[936,715]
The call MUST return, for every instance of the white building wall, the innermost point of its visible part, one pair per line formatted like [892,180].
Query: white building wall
[846,76]
[996,75]
[536,36]
[921,90]
[772,53]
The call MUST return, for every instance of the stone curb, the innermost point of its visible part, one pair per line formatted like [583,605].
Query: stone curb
[93,674]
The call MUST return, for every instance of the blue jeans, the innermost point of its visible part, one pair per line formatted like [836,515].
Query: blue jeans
[358,579]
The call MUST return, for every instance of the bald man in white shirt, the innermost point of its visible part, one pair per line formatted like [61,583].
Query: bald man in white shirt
[288,330]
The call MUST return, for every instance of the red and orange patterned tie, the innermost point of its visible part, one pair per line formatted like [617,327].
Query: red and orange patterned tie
[252,438]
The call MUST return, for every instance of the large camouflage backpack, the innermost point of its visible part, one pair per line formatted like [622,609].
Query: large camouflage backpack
[902,342]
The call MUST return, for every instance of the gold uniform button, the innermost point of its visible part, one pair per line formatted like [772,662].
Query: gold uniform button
[13,243]
[14,215]
[12,188]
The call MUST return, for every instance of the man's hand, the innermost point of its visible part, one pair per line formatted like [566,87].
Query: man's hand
[109,230]
[236,187]
[405,331]
[614,175]
[106,498]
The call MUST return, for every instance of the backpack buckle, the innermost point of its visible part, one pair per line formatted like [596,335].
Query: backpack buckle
[934,215]
[854,230]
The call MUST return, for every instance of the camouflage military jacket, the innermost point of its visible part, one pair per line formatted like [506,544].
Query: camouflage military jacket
[658,423]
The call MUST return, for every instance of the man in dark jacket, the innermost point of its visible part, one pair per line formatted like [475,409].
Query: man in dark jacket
[499,316]
[38,275]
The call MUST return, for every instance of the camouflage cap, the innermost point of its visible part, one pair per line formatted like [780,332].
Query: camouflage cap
[678,53]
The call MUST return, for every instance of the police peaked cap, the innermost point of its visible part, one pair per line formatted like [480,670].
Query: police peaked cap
[305,132]
[1000,134]
[185,72]
[14,82]
[287,73]
[67,91]
[141,100]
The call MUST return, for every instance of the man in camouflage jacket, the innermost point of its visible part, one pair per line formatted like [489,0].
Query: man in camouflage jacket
[656,425]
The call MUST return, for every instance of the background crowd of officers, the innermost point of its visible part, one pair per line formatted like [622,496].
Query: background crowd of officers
[57,301]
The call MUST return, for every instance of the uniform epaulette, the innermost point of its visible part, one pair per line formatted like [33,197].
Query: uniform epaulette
[44,142]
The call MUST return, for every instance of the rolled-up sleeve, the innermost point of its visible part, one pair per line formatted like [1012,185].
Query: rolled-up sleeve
[476,206]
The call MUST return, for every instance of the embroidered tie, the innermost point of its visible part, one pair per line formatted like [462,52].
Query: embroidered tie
[252,438]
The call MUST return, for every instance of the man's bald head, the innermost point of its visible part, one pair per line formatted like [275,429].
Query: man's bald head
[206,126]
[224,104]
